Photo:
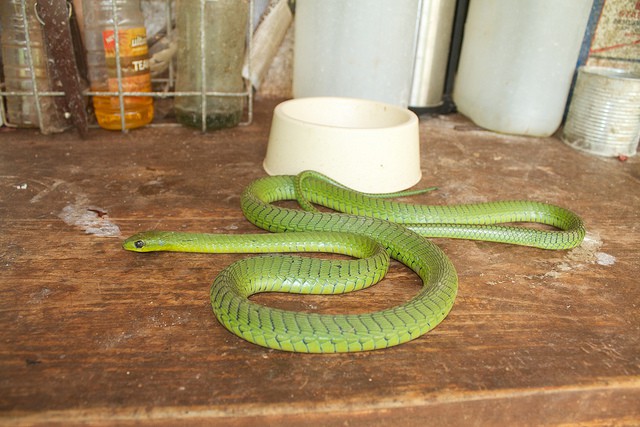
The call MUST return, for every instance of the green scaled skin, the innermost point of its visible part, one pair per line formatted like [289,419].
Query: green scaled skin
[369,228]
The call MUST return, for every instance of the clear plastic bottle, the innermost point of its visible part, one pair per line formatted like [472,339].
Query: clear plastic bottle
[134,61]
[225,26]
[22,109]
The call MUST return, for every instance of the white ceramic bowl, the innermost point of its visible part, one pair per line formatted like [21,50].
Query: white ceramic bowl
[366,145]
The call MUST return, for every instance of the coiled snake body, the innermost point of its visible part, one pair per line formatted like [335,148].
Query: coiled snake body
[368,227]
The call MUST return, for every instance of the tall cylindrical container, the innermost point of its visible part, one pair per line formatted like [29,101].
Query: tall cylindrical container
[517,62]
[356,48]
[134,76]
[211,50]
[24,66]
[432,53]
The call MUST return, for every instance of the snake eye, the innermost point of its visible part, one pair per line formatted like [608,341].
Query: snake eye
[139,244]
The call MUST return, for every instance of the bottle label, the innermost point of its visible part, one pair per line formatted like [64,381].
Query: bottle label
[134,59]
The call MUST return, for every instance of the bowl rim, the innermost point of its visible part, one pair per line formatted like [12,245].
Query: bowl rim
[283,111]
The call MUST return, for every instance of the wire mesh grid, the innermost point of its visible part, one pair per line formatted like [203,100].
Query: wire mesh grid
[37,94]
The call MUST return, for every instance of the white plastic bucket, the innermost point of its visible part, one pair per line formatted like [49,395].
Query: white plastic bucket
[517,62]
[604,114]
[356,48]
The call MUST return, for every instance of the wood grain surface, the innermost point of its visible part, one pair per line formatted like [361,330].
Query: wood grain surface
[93,335]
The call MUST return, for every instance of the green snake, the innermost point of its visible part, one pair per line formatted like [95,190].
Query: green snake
[369,228]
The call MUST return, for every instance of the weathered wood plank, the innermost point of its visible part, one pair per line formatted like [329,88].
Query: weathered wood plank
[93,334]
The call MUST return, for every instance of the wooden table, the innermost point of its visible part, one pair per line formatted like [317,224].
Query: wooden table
[92,334]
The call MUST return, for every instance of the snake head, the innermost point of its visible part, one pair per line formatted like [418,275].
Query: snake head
[156,240]
[140,242]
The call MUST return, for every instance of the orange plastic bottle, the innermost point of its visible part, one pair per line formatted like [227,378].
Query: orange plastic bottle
[134,62]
